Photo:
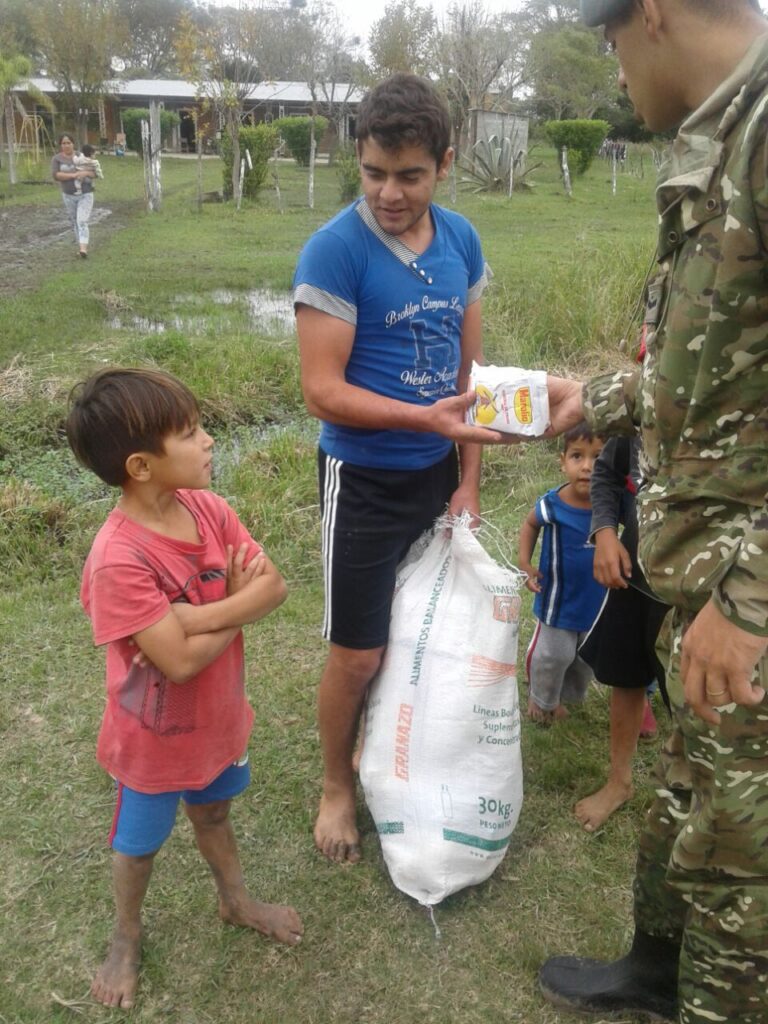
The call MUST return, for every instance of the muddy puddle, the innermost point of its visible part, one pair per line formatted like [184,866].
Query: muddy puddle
[35,240]
[269,313]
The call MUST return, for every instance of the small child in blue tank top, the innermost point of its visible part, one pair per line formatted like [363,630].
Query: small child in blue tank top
[567,596]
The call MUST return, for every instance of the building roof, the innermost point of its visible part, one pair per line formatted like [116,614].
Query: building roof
[178,89]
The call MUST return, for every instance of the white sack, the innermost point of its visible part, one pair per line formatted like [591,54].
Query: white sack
[441,765]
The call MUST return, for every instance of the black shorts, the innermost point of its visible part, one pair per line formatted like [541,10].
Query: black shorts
[621,646]
[370,517]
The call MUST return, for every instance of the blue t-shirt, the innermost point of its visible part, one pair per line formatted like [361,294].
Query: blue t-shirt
[570,597]
[408,313]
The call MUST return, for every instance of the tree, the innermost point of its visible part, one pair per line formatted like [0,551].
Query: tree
[570,73]
[13,70]
[402,39]
[78,40]
[473,49]
[132,118]
[220,55]
[540,14]
[333,68]
[17,34]
[151,28]
[322,53]
[582,138]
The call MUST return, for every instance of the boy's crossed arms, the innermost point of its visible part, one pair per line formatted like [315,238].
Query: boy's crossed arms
[191,636]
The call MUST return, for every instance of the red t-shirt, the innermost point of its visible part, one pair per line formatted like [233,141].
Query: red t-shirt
[157,735]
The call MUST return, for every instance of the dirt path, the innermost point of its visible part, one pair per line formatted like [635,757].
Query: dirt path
[37,239]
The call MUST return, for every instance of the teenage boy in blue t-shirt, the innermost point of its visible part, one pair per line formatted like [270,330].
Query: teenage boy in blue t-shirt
[388,312]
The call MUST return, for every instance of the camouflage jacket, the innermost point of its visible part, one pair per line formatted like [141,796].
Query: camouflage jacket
[701,397]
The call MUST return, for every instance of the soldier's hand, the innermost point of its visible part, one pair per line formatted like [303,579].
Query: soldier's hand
[565,408]
[718,662]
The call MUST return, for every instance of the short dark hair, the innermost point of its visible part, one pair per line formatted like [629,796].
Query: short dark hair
[65,135]
[721,10]
[87,149]
[117,412]
[618,12]
[405,110]
[581,432]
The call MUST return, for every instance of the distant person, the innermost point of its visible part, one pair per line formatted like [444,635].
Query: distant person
[621,646]
[77,202]
[171,578]
[388,311]
[567,596]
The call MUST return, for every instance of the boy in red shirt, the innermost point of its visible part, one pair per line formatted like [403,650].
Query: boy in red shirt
[171,578]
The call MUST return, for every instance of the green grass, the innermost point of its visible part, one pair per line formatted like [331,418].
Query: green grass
[566,274]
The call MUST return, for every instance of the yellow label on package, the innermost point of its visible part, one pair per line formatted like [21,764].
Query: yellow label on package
[509,399]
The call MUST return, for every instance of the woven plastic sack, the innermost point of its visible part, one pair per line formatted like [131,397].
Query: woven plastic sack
[441,766]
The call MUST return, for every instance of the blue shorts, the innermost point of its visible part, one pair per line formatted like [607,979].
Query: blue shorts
[143,821]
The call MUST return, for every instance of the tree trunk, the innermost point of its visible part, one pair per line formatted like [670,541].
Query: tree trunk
[82,126]
[312,150]
[199,148]
[11,136]
[234,137]
[155,136]
[2,129]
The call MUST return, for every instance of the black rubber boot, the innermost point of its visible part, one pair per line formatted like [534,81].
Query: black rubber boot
[644,981]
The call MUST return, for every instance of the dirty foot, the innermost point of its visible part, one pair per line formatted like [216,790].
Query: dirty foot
[116,980]
[537,714]
[593,811]
[274,920]
[336,835]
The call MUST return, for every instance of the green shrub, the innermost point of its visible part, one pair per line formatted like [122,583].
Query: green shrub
[348,172]
[261,142]
[583,139]
[132,118]
[296,133]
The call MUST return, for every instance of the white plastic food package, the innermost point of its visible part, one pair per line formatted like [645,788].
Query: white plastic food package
[509,399]
[441,766]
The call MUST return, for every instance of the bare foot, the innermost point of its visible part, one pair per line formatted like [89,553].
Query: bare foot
[275,921]
[537,714]
[336,835]
[595,810]
[116,980]
[560,712]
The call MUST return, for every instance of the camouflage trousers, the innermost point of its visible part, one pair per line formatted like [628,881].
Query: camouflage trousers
[702,868]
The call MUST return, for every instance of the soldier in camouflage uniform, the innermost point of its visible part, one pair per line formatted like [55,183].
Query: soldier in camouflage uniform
[700,951]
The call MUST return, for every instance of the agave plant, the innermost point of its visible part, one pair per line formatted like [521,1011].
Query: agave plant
[496,165]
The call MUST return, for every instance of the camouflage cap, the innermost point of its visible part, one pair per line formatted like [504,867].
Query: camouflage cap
[597,12]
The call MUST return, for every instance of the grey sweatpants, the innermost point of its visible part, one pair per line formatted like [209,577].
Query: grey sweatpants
[556,673]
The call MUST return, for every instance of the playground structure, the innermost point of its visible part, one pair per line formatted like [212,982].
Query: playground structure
[28,135]
[34,139]
[25,134]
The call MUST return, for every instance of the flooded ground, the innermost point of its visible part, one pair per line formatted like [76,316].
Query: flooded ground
[269,313]
[36,239]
